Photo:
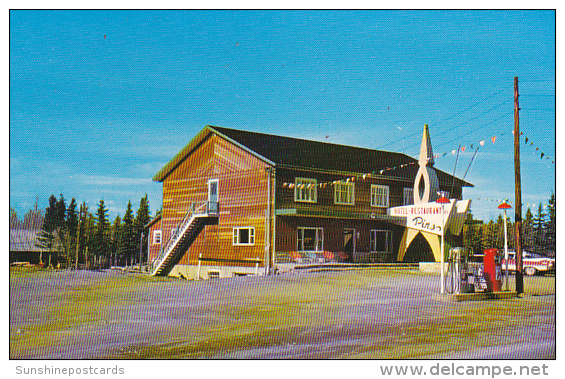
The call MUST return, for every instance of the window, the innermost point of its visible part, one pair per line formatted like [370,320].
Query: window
[408,196]
[344,193]
[306,190]
[379,195]
[244,236]
[381,241]
[156,237]
[310,239]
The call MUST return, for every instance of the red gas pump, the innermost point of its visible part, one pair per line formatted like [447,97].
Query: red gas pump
[493,269]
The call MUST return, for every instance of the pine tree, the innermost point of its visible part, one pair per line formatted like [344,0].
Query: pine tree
[72,227]
[101,241]
[128,236]
[550,227]
[33,219]
[489,235]
[47,236]
[116,241]
[14,219]
[528,231]
[61,227]
[539,229]
[142,218]
[472,234]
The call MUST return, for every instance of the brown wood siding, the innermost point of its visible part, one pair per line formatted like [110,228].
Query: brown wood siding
[242,198]
[325,195]
[154,248]
[325,198]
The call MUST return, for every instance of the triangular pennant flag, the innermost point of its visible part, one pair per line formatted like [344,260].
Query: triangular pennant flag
[471,146]
[482,143]
[444,154]
[537,148]
[542,154]
[526,139]
[531,144]
[493,139]
[463,149]
[453,152]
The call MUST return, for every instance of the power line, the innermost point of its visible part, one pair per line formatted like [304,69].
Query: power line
[471,119]
[446,119]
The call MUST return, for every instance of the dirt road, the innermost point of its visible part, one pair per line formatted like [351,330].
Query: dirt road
[346,314]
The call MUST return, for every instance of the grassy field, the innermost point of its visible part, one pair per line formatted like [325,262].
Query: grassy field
[350,314]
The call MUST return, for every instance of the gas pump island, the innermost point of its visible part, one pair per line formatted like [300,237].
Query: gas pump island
[432,218]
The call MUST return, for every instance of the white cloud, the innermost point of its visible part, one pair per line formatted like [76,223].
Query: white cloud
[100,180]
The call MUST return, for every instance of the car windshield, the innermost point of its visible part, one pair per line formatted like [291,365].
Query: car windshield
[531,255]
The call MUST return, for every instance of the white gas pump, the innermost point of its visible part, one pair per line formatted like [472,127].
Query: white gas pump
[459,278]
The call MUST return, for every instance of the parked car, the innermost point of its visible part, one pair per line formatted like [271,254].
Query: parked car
[532,263]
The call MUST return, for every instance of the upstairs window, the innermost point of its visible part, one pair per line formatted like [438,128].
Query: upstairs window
[344,193]
[305,190]
[157,237]
[243,236]
[408,195]
[379,196]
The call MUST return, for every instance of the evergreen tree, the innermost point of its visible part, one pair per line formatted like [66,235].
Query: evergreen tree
[489,235]
[101,241]
[550,228]
[142,218]
[72,227]
[539,229]
[472,234]
[14,219]
[528,231]
[499,230]
[47,236]
[128,236]
[33,219]
[116,241]
[61,227]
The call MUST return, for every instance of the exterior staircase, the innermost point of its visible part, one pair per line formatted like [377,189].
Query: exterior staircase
[198,215]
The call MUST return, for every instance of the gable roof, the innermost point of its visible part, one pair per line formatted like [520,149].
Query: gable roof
[24,240]
[288,152]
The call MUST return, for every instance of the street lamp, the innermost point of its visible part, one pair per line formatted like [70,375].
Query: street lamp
[442,200]
[504,206]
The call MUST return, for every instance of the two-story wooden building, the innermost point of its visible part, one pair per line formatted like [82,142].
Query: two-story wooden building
[237,202]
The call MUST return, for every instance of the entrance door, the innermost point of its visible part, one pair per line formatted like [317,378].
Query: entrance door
[213,196]
[349,244]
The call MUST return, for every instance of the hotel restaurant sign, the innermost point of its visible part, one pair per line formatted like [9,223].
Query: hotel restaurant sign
[427,217]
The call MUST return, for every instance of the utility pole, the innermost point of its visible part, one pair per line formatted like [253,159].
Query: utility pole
[518,193]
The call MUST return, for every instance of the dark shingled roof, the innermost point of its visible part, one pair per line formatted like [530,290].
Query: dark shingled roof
[287,151]
[319,156]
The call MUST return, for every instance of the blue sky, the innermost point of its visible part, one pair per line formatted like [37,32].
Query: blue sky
[101,100]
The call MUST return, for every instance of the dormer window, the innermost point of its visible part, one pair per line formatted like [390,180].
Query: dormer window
[379,196]
[305,190]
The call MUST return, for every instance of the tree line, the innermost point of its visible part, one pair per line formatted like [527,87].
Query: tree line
[538,232]
[86,239]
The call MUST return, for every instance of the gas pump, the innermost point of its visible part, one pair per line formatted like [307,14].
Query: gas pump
[486,271]
[459,277]
[493,269]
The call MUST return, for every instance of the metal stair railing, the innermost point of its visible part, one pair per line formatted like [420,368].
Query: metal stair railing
[205,208]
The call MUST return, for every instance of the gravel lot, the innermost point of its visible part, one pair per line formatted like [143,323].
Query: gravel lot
[313,315]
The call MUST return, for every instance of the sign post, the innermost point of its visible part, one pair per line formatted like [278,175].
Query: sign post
[504,206]
[442,200]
